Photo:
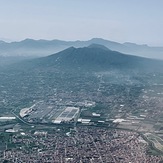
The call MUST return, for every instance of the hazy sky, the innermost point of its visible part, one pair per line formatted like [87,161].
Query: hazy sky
[139,21]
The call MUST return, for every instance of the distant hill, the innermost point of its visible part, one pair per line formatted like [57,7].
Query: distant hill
[30,47]
[92,58]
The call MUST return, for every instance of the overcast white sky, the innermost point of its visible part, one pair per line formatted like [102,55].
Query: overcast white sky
[138,21]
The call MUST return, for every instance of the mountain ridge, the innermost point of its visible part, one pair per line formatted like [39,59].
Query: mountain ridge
[93,58]
[31,47]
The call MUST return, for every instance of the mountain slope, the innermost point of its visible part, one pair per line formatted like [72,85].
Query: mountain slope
[92,58]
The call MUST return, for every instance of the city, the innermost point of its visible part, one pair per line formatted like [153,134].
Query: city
[85,144]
